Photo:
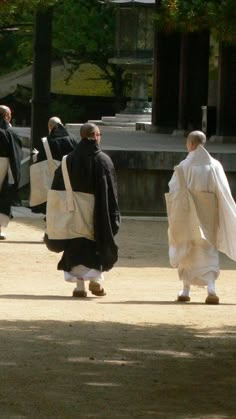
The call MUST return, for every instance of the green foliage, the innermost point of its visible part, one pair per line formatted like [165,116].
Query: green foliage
[88,80]
[9,7]
[84,28]
[15,48]
[84,32]
[7,56]
[15,11]
[16,31]
[191,15]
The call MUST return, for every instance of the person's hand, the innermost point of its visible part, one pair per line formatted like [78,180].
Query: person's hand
[34,155]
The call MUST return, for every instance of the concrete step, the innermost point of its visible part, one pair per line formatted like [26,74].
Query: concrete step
[133,117]
[126,118]
[117,123]
[122,120]
[112,123]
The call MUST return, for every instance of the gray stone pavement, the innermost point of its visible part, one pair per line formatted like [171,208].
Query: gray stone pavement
[24,212]
[119,138]
[130,139]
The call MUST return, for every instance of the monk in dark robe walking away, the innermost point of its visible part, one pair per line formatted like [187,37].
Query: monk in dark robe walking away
[60,143]
[90,171]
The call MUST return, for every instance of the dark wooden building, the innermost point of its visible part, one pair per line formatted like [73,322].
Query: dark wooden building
[181,81]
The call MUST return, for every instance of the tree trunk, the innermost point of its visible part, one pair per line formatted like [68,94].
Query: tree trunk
[41,82]
[226,121]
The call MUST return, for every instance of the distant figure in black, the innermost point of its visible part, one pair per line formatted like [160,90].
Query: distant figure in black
[10,161]
[60,143]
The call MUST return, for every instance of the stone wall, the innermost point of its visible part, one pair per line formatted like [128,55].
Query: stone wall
[143,178]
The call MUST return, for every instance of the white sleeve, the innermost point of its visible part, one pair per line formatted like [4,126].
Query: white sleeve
[226,233]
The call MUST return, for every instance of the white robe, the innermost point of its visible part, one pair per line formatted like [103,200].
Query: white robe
[198,260]
[84,273]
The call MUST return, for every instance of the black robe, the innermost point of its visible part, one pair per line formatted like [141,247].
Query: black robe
[11,148]
[91,171]
[60,143]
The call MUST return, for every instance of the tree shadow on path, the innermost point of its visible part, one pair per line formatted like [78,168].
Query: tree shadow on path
[102,370]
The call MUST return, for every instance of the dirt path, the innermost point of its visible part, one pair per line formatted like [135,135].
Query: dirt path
[135,353]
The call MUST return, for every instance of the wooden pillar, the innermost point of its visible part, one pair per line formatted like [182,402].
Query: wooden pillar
[165,81]
[226,106]
[193,81]
[41,82]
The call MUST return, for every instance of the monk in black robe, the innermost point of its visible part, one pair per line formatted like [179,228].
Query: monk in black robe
[61,142]
[90,171]
[10,161]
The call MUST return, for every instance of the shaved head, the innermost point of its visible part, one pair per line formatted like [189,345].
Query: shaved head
[194,139]
[87,130]
[91,132]
[53,122]
[5,112]
[197,137]
[4,109]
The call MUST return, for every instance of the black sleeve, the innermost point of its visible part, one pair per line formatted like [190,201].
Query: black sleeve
[114,211]
[4,146]
[107,215]
[58,181]
[41,156]
[15,155]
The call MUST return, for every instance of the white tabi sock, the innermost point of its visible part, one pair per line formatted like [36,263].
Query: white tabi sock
[2,235]
[211,287]
[185,291]
[80,285]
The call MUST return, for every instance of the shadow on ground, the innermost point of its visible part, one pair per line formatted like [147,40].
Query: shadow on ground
[104,370]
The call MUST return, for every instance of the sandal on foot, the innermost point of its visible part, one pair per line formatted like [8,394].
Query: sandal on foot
[79,294]
[212,299]
[96,289]
[183,298]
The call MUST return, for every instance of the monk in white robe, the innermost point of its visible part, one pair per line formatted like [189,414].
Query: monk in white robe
[194,244]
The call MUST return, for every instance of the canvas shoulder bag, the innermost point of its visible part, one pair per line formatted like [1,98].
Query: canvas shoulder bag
[41,176]
[4,166]
[191,215]
[69,214]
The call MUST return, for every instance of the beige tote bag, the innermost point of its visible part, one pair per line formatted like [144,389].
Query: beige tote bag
[41,176]
[191,215]
[4,167]
[69,214]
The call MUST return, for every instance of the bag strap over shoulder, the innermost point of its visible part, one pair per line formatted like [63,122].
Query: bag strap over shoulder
[50,160]
[65,174]
[69,191]
[47,148]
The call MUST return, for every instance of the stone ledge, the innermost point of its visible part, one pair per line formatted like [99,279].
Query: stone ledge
[224,139]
